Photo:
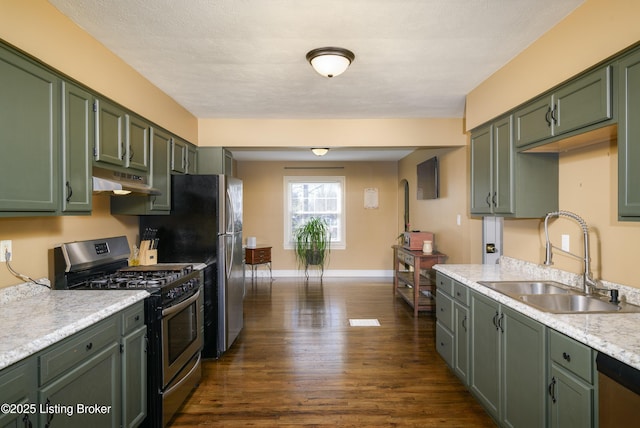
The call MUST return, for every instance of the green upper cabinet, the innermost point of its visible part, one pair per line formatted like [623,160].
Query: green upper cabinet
[629,138]
[482,170]
[110,133]
[184,157]
[159,178]
[507,183]
[137,143]
[77,143]
[215,160]
[492,159]
[160,173]
[122,138]
[192,159]
[178,156]
[30,130]
[582,102]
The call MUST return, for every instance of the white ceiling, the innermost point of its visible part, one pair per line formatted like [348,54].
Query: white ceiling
[246,58]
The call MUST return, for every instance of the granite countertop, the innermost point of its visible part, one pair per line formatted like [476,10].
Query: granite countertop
[34,317]
[615,334]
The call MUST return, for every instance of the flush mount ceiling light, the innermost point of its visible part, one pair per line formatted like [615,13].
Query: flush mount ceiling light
[330,62]
[320,151]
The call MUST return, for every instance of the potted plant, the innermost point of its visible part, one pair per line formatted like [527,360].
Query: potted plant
[312,241]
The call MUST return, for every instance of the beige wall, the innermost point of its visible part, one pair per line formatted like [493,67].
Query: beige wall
[33,237]
[440,132]
[369,232]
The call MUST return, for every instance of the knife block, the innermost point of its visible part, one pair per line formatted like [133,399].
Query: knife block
[148,256]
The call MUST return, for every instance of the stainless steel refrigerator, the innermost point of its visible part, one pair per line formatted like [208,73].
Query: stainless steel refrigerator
[205,226]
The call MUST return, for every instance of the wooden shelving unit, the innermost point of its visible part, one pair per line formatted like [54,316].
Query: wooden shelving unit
[414,279]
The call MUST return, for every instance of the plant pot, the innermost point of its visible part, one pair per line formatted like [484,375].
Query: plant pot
[314,257]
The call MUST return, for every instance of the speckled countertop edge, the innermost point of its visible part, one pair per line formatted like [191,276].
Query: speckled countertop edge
[614,334]
[34,317]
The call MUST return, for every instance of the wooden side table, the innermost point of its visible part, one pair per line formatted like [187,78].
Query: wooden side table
[258,256]
[416,289]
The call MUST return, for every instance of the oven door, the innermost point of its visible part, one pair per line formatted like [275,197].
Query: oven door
[181,335]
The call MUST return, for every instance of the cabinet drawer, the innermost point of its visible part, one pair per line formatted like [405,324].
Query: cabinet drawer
[572,355]
[258,255]
[444,344]
[70,352]
[444,309]
[132,318]
[444,283]
[406,258]
[461,293]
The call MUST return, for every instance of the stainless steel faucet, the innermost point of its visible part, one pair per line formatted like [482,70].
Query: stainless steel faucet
[589,284]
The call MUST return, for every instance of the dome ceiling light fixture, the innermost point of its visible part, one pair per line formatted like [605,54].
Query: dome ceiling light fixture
[319,151]
[330,61]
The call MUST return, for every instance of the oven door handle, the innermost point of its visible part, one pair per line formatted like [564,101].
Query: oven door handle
[180,306]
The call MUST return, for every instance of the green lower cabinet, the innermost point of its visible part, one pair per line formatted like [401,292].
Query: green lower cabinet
[86,396]
[572,382]
[461,347]
[484,381]
[524,356]
[508,363]
[134,377]
[17,387]
[571,400]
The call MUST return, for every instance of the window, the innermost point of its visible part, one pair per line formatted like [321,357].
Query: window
[307,197]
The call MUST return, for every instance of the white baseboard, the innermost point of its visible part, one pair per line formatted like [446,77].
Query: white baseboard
[336,273]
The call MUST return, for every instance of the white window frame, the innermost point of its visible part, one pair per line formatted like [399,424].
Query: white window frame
[337,242]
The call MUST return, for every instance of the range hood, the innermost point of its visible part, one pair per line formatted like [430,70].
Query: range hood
[121,183]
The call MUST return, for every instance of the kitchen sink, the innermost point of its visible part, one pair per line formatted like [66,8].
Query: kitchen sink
[554,297]
[519,288]
[575,303]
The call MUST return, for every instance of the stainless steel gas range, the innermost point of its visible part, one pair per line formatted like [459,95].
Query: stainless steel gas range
[173,313]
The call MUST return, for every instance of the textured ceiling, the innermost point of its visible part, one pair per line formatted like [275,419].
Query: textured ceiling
[246,58]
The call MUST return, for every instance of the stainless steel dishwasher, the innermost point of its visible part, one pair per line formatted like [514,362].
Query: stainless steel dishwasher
[618,393]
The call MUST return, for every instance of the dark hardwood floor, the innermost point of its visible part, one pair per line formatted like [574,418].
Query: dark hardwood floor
[298,363]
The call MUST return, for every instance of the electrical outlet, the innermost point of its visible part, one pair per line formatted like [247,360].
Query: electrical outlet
[5,246]
[565,243]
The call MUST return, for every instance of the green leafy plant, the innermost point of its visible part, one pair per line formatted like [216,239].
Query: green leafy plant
[312,241]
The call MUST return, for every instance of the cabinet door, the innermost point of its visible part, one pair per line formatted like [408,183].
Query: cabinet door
[629,138]
[29,131]
[533,122]
[503,160]
[17,386]
[77,143]
[444,343]
[110,133]
[461,348]
[137,146]
[484,381]
[524,371]
[192,160]
[572,400]
[178,156]
[94,381]
[481,171]
[134,377]
[583,102]
[160,174]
